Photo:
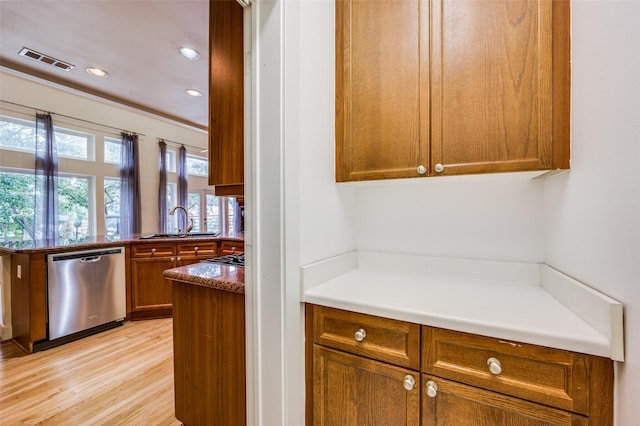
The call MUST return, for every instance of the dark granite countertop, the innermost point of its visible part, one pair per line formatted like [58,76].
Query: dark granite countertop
[86,243]
[212,275]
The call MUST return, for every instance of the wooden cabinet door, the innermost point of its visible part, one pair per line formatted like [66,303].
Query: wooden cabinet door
[226,97]
[350,390]
[453,403]
[151,292]
[492,94]
[382,90]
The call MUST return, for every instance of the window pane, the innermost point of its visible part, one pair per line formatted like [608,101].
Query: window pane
[17,201]
[198,166]
[17,134]
[231,213]
[73,207]
[70,143]
[16,206]
[171,161]
[194,210]
[112,206]
[213,213]
[112,150]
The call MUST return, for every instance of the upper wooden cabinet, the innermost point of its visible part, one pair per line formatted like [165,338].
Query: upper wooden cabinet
[451,87]
[226,97]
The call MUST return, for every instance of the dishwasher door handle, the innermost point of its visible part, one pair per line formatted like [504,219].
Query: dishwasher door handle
[90,259]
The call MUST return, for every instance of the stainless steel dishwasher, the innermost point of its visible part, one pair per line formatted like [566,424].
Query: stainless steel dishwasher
[85,290]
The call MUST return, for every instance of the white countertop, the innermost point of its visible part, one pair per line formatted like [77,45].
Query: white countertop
[524,302]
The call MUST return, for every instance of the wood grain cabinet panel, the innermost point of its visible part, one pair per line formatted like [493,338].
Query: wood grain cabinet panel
[231,247]
[151,292]
[201,248]
[458,404]
[549,376]
[209,356]
[381,113]
[354,391]
[426,88]
[226,97]
[391,341]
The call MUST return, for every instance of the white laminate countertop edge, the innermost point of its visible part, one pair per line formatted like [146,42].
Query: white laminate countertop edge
[497,299]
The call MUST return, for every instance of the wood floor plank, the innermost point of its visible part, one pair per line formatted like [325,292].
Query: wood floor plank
[122,376]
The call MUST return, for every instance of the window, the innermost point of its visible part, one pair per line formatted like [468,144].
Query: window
[74,144]
[213,217]
[112,206]
[194,209]
[112,150]
[73,206]
[19,135]
[211,213]
[18,199]
[16,205]
[198,166]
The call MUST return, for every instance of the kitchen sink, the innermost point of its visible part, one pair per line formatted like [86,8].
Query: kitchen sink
[180,235]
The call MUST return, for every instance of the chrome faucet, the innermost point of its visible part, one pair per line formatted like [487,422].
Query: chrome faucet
[186,219]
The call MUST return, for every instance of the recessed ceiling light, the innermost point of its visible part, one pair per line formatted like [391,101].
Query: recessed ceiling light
[193,92]
[98,72]
[189,53]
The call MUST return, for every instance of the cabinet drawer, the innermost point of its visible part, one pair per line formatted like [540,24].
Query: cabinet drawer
[387,340]
[549,376]
[231,247]
[204,248]
[153,249]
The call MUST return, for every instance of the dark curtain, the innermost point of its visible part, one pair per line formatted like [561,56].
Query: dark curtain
[162,188]
[183,187]
[46,181]
[130,215]
[237,217]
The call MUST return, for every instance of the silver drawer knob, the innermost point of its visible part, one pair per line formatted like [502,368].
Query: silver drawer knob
[408,382]
[439,168]
[494,366]
[432,389]
[153,250]
[360,335]
[421,169]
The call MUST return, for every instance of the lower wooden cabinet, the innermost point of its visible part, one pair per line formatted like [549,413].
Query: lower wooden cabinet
[362,370]
[209,355]
[351,390]
[150,291]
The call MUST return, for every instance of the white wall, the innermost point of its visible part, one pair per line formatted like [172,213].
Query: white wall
[592,214]
[24,91]
[481,217]
[327,210]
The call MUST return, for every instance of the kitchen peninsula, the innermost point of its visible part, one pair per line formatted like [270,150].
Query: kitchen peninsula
[209,343]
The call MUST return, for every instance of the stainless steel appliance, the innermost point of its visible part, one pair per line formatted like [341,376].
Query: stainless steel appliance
[85,291]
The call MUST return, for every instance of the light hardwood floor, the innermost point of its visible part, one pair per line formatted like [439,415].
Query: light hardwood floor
[123,376]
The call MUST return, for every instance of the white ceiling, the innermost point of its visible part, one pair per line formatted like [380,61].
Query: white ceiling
[136,41]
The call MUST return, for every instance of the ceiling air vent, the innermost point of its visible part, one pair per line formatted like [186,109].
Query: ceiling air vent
[37,56]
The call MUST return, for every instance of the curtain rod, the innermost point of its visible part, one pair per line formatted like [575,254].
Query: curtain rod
[185,144]
[73,118]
